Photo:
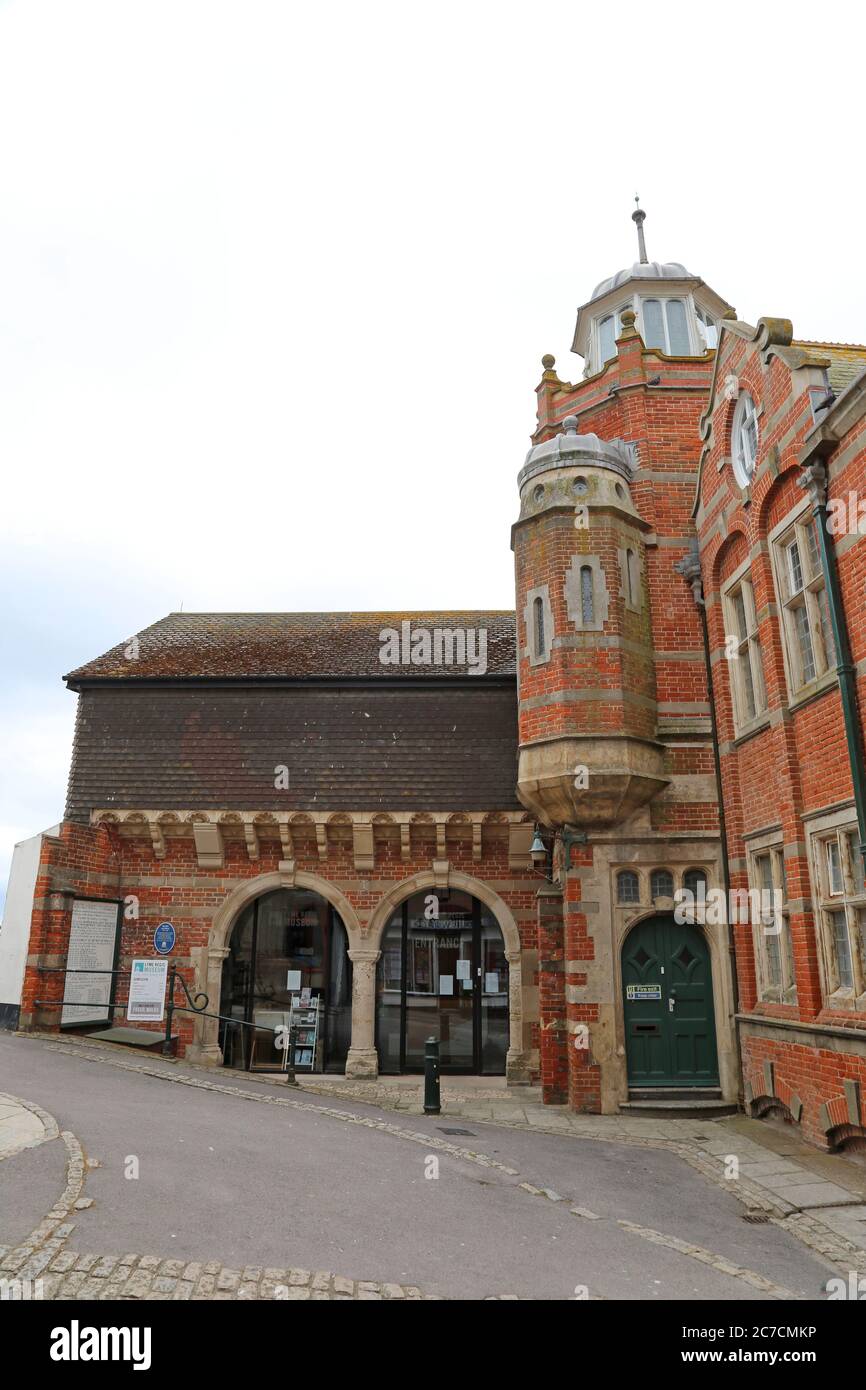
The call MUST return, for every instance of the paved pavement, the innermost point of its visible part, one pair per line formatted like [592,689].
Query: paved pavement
[224,1186]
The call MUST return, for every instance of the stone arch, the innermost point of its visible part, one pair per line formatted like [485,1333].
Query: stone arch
[517,1059]
[782,496]
[232,906]
[209,959]
[467,884]
[733,551]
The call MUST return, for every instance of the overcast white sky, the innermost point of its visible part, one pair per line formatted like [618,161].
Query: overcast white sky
[276,279]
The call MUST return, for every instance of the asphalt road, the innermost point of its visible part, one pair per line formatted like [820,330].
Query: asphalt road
[223,1177]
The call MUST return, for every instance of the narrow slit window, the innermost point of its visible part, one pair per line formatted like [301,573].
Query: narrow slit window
[633,578]
[587,604]
[540,635]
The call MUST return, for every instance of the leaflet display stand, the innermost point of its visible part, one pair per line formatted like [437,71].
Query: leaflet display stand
[305,1020]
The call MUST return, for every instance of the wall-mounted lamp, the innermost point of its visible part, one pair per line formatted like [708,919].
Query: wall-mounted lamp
[540,854]
[538,850]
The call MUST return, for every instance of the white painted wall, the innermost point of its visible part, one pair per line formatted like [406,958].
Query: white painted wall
[15,930]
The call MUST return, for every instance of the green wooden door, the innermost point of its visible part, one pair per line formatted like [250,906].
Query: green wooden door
[668,1000]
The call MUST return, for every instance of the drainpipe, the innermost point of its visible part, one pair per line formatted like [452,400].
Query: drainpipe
[690,568]
[814,481]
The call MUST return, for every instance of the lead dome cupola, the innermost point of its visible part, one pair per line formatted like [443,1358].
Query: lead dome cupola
[676,313]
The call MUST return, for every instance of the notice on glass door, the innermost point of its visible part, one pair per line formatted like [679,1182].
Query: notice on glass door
[446,984]
[464,968]
[491,982]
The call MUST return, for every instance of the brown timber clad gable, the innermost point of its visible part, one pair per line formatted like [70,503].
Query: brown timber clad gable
[207,747]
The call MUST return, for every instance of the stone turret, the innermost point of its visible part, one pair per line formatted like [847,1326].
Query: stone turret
[587,702]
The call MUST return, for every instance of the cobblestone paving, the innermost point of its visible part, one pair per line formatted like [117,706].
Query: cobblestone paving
[66,1275]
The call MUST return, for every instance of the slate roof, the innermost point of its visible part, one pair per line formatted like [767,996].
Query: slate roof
[292,646]
[847,360]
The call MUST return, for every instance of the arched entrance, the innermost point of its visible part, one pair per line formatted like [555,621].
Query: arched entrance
[287,962]
[443,972]
[670,1026]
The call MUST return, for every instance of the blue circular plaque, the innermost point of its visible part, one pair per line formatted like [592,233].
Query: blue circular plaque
[164,938]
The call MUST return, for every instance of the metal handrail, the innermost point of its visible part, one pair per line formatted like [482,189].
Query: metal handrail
[171,1008]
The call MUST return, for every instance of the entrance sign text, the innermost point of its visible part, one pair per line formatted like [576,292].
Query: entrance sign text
[147,991]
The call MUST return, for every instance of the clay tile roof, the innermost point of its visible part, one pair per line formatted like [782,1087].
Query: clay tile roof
[847,360]
[293,646]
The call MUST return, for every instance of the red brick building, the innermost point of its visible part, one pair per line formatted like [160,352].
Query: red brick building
[782,561]
[521,831]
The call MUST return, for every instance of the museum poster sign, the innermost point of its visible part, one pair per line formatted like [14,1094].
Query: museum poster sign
[147,981]
[92,946]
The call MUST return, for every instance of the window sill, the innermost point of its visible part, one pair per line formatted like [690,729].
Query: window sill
[845,1001]
[813,690]
[747,731]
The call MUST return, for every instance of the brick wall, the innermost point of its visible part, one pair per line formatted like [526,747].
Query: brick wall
[796,764]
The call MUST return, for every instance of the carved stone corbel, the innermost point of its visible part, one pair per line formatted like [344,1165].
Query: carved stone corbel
[363,847]
[441,843]
[251,835]
[441,870]
[286,840]
[157,838]
[208,845]
[476,840]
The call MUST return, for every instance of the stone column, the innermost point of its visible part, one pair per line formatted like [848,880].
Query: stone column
[362,1062]
[517,1064]
[208,978]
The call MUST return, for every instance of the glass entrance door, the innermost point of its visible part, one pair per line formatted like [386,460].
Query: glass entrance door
[443,974]
[440,989]
[287,948]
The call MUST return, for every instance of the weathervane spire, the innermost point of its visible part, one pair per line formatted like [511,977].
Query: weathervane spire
[638,217]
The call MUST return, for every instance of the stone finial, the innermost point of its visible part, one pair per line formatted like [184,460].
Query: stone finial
[776,332]
[627,318]
[548,361]
[814,481]
[569,424]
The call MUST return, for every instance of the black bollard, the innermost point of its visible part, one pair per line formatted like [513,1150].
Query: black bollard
[169,1010]
[431,1077]
[290,1059]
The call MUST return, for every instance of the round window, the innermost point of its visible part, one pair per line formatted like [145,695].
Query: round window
[744,439]
[537,493]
